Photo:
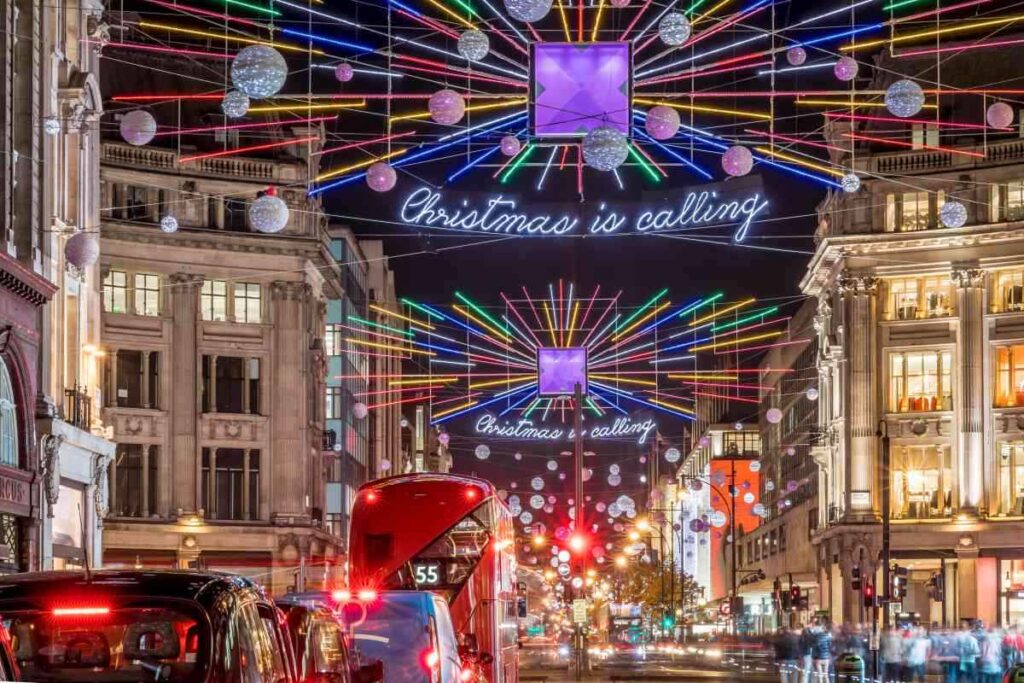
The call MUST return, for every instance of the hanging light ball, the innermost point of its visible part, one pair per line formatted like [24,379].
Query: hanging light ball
[620,4]
[759,510]
[259,71]
[561,476]
[444,438]
[614,469]
[703,442]
[738,426]
[385,465]
[537,484]
[235,104]
[674,28]
[953,214]
[526,517]
[528,10]
[718,519]
[643,459]
[769,485]
[755,466]
[773,415]
[482,452]
[587,474]
[51,125]
[812,394]
[536,501]
[552,465]
[510,145]
[846,69]
[605,148]
[850,183]
[748,498]
[344,72]
[82,249]
[796,56]
[999,115]
[381,177]
[790,451]
[360,411]
[662,122]
[614,479]
[737,161]
[169,223]
[269,213]
[904,98]
[518,456]
[138,127]
[672,455]
[474,45]
[446,107]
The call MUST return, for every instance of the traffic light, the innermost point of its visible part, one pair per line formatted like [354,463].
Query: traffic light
[785,601]
[794,597]
[855,577]
[668,621]
[869,595]
[898,578]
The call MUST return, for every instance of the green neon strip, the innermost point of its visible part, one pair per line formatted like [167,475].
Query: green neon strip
[695,5]
[644,165]
[255,8]
[467,7]
[593,406]
[424,311]
[533,406]
[517,163]
[901,3]
[484,314]
[370,323]
[640,310]
[551,402]
[710,300]
[754,316]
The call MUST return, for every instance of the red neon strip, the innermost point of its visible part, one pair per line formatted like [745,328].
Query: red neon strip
[727,398]
[754,387]
[579,169]
[565,153]
[929,13]
[520,318]
[901,143]
[205,12]
[507,162]
[251,148]
[457,398]
[460,74]
[183,131]
[646,43]
[762,346]
[653,163]
[586,315]
[533,32]
[846,93]
[170,50]
[397,390]
[540,325]
[795,140]
[364,143]
[558,311]
[597,325]
[893,119]
[153,98]
[636,17]
[735,18]
[579,20]
[958,48]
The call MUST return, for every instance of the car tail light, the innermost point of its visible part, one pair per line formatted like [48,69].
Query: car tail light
[367,595]
[466,675]
[80,611]
[371,496]
[431,659]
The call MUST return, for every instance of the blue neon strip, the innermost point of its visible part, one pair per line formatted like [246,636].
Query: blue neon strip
[604,398]
[675,155]
[478,406]
[324,39]
[473,162]
[516,404]
[841,34]
[670,316]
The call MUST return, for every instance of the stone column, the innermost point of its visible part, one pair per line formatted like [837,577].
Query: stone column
[184,380]
[145,379]
[211,486]
[211,389]
[970,300]
[145,480]
[112,355]
[859,294]
[246,378]
[245,483]
[112,486]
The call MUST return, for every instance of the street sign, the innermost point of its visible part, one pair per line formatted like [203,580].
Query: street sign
[579,611]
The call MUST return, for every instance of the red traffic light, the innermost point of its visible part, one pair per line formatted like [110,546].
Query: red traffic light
[578,543]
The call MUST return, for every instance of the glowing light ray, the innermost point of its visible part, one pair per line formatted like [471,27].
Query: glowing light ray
[572,325]
[727,309]
[386,347]
[607,310]
[760,116]
[565,20]
[551,324]
[335,172]
[734,342]
[739,330]
[481,107]
[243,150]
[143,47]
[902,143]
[675,155]
[480,311]
[649,404]
[489,338]
[239,126]
[636,17]
[727,397]
[704,35]
[611,403]
[774,153]
[519,317]
[450,414]
[797,141]
[624,331]
[220,36]
[597,21]
[643,164]
[624,380]
[600,336]
[754,316]
[484,325]
[178,7]
[362,143]
[547,167]
[507,381]
[522,336]
[421,382]
[536,315]
[472,163]
[650,302]
[532,407]
[568,303]
[960,27]
[519,159]
[415,399]
[516,405]
[590,306]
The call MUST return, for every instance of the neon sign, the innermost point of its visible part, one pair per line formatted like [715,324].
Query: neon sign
[498,214]
[489,425]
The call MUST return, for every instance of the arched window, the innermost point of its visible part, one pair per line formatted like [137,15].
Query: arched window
[8,419]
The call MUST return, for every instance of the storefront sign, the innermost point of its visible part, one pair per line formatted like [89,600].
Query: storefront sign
[490,425]
[14,494]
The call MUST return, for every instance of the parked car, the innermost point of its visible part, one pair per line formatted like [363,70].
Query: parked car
[182,626]
[411,632]
[320,642]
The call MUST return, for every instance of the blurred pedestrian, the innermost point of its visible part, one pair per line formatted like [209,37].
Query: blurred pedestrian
[990,657]
[968,651]
[787,655]
[891,652]
[821,651]
[946,654]
[917,647]
[806,665]
[1013,647]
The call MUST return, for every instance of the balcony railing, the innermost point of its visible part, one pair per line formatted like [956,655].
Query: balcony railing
[77,408]
[240,168]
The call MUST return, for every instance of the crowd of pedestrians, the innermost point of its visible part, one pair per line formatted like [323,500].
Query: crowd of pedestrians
[819,653]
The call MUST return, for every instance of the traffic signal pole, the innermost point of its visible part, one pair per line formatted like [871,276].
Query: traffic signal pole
[580,526]
[883,431]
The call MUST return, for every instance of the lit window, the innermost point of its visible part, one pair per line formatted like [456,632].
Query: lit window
[1011,478]
[1009,376]
[1010,290]
[920,381]
[915,213]
[903,299]
[332,340]
[147,294]
[214,300]
[8,420]
[922,136]
[115,292]
[937,301]
[247,303]
[332,407]
[1014,201]
[922,478]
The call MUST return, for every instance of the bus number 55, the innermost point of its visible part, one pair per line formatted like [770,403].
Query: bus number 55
[427,574]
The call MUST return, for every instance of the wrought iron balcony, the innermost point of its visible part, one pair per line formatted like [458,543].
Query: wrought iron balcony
[77,408]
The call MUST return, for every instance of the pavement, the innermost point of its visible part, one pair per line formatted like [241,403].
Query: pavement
[656,668]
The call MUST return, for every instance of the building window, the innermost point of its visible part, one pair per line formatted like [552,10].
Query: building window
[1009,376]
[332,339]
[741,443]
[903,299]
[772,542]
[782,538]
[914,211]
[248,307]
[924,135]
[332,407]
[136,203]
[1007,202]
[147,294]
[922,482]
[913,298]
[920,381]
[8,419]
[232,490]
[235,215]
[236,388]
[214,300]
[132,475]
[936,299]
[1010,290]
[115,292]
[1011,478]
[135,379]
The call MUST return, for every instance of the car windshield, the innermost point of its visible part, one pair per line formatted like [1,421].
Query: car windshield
[395,631]
[99,643]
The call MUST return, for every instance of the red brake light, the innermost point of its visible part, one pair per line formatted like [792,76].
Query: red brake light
[371,496]
[341,596]
[472,493]
[367,595]
[431,659]
[80,611]
[466,675]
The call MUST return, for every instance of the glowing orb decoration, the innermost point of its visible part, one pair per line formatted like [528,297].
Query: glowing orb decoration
[517,456]
[552,465]
[587,474]
[812,394]
[737,161]
[614,469]
[999,115]
[620,4]
[51,125]
[662,122]
[846,69]
[259,71]
[528,11]
[443,438]
[672,455]
[759,510]
[549,509]
[850,183]
[474,45]
[674,29]
[904,98]
[748,498]
[605,149]
[482,452]
[82,249]
[536,501]
[537,484]
[953,214]
[510,145]
[796,56]
[169,224]
[755,466]
[360,411]
[773,415]
[446,107]
[769,485]
[268,214]
[514,501]
[601,507]
[385,465]
[790,450]
[138,127]
[614,510]
[792,486]
[526,517]
[718,519]
[614,479]
[738,426]
[344,72]
[381,177]
[235,104]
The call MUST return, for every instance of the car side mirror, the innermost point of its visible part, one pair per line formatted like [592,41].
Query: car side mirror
[370,673]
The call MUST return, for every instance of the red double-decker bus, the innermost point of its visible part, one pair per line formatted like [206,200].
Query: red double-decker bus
[451,535]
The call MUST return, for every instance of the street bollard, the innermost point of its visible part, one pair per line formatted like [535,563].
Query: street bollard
[1014,674]
[850,669]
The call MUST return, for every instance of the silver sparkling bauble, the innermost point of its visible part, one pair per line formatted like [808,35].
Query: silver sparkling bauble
[904,98]
[138,127]
[850,183]
[672,455]
[812,394]
[51,125]
[674,28]
[269,214]
[82,249]
[482,452]
[528,10]
[953,214]
[235,104]
[259,71]
[474,45]
[169,223]
[605,148]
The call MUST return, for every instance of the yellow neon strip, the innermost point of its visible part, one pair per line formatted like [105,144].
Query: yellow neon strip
[934,32]
[572,324]
[839,103]
[305,107]
[626,380]
[451,13]
[799,162]
[766,335]
[727,309]
[406,318]
[498,333]
[421,380]
[712,110]
[479,107]
[700,376]
[353,340]
[636,323]
[221,36]
[597,21]
[467,404]
[710,12]
[551,324]
[505,381]
[673,406]
[361,164]
[565,21]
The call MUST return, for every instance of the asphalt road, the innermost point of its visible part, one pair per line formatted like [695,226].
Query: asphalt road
[652,668]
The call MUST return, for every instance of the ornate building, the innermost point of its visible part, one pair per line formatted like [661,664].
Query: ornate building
[920,326]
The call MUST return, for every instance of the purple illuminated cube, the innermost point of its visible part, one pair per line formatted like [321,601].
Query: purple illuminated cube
[580,86]
[559,370]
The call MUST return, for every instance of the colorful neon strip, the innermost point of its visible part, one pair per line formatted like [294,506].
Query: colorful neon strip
[911,145]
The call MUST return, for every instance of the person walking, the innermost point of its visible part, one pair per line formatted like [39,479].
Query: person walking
[806,665]
[891,652]
[821,651]
[944,651]
[917,648]
[990,658]
[787,655]
[968,651]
